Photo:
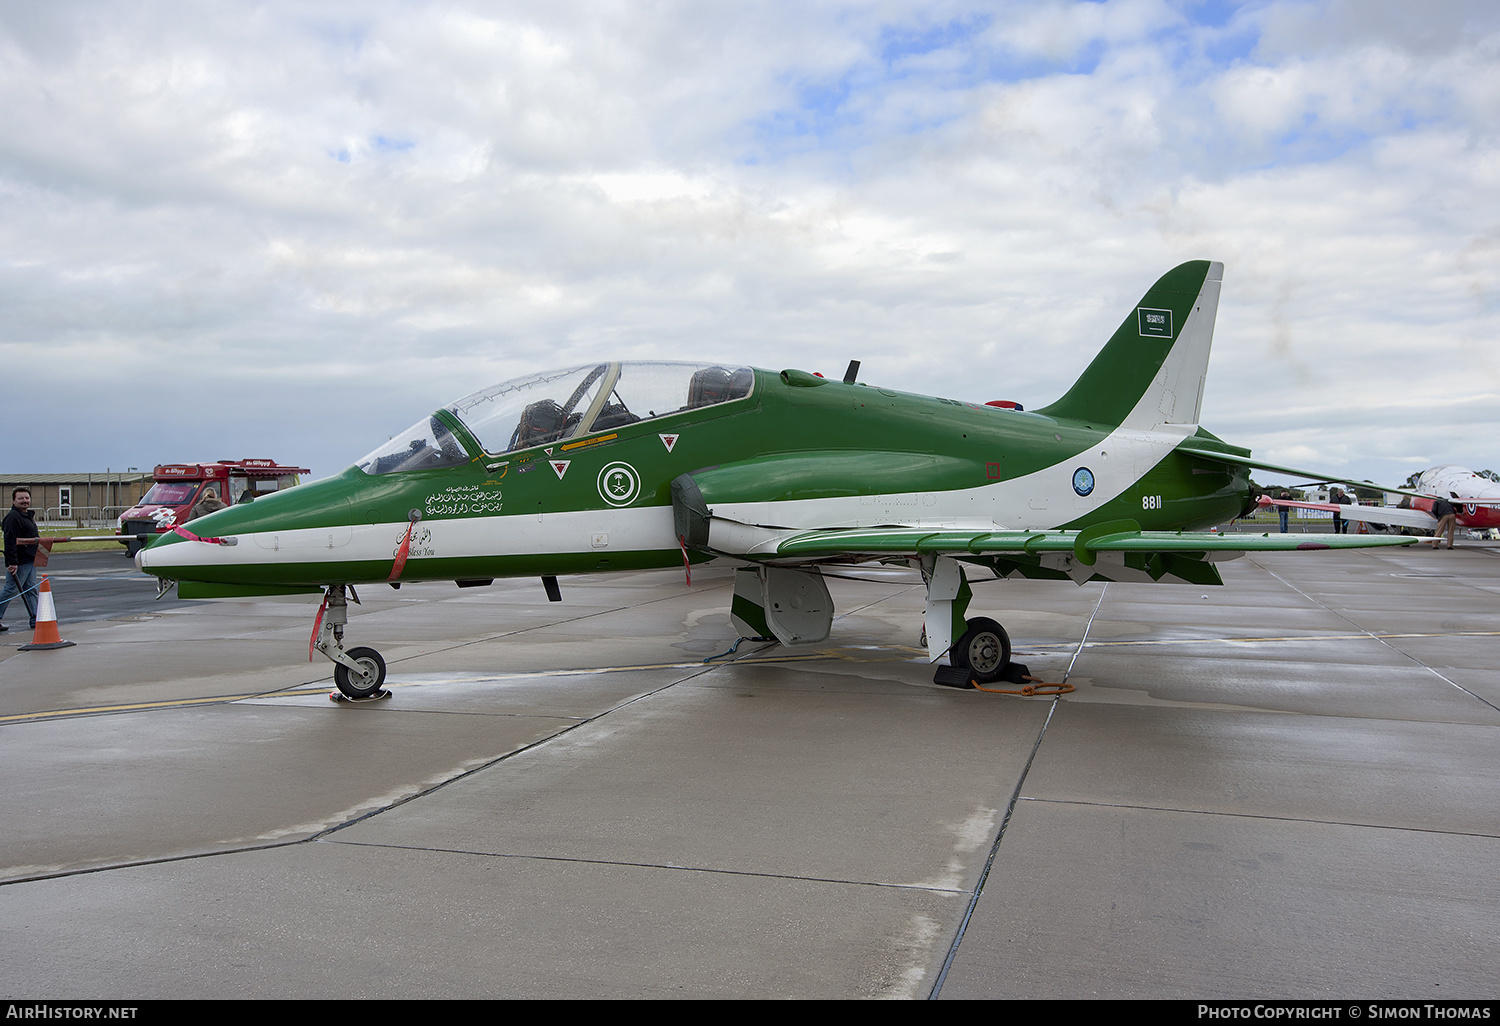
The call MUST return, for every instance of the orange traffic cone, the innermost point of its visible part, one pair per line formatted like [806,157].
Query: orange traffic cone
[46,635]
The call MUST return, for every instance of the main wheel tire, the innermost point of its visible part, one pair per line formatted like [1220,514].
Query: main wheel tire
[372,675]
[984,650]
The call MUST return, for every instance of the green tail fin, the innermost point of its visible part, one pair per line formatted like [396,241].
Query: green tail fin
[1151,372]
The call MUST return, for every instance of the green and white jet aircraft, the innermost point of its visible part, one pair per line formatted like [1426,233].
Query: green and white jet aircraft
[629,466]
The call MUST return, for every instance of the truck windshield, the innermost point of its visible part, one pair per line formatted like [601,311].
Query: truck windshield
[169,493]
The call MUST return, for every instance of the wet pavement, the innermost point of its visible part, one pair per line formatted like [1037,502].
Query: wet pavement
[1283,787]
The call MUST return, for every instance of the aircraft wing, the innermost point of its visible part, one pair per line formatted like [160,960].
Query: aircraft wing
[1115,551]
[1120,536]
[1367,514]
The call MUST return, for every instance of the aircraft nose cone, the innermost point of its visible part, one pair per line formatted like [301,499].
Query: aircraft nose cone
[140,559]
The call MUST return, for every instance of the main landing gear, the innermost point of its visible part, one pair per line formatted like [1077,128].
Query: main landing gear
[358,672]
[984,650]
[980,656]
[978,648]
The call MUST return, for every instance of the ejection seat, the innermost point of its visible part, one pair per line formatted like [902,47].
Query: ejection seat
[614,415]
[541,422]
[716,385]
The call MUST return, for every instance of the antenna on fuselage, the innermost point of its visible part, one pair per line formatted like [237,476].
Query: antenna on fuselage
[852,372]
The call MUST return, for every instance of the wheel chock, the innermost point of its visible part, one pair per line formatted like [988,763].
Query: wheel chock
[952,677]
[338,696]
[1016,673]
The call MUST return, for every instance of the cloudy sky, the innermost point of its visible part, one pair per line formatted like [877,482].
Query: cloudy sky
[292,229]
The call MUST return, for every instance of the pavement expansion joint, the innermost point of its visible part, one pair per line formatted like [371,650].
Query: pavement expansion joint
[989,863]
[671,866]
[59,874]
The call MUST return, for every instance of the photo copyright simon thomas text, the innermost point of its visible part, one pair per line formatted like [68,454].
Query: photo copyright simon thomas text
[1299,1010]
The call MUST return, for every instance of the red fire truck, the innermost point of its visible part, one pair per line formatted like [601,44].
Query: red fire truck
[179,487]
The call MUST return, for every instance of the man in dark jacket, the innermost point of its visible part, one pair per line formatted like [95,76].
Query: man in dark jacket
[1447,514]
[1338,497]
[20,557]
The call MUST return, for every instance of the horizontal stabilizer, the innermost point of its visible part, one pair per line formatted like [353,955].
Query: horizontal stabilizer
[1306,475]
[1363,514]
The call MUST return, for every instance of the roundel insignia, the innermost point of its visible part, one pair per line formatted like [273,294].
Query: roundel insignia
[1083,480]
[619,484]
[1473,509]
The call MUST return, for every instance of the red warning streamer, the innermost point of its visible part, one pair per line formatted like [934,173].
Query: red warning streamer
[190,536]
[402,553]
[317,626]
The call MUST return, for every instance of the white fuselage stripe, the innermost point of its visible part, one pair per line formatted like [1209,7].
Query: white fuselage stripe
[646,528]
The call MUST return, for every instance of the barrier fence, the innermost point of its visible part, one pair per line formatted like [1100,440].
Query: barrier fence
[80,516]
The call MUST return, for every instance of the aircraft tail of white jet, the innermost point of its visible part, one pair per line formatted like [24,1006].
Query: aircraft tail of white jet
[1151,372]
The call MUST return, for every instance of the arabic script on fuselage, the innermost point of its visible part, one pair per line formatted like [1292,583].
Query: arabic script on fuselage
[463,500]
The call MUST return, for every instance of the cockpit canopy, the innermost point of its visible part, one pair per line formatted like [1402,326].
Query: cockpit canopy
[556,405]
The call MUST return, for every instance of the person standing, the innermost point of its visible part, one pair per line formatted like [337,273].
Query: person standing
[1338,498]
[20,556]
[208,504]
[1447,514]
[1285,496]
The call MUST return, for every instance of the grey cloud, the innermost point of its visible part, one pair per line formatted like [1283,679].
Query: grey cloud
[298,229]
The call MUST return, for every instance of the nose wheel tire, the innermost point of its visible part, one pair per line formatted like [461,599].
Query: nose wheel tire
[366,682]
[984,650]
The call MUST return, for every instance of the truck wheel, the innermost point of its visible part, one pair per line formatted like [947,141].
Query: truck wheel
[369,678]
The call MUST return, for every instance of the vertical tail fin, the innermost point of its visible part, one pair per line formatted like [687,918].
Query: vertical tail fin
[1151,372]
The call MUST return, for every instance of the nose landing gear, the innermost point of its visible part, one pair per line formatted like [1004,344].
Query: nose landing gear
[981,653]
[359,672]
[364,682]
